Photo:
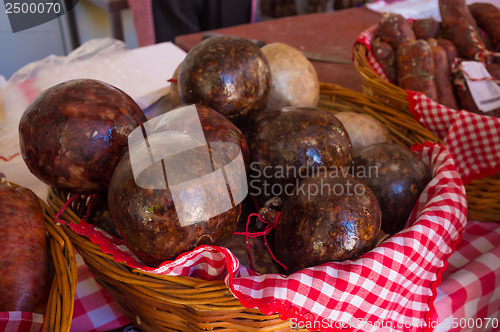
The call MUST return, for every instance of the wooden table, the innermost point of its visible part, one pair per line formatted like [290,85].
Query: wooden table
[331,33]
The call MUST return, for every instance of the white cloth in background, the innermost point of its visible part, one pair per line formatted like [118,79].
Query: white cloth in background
[142,73]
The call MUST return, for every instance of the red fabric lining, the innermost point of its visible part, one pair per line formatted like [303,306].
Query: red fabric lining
[471,138]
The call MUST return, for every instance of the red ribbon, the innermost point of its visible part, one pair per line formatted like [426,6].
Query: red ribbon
[67,203]
[265,232]
[9,158]
[63,208]
[483,51]
[481,56]
[172,80]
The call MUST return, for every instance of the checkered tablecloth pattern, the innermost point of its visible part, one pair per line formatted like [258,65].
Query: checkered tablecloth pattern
[95,309]
[468,298]
[470,288]
[18,321]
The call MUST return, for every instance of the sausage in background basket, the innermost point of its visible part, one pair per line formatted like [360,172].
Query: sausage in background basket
[487,17]
[461,28]
[464,97]
[494,70]
[416,68]
[394,29]
[449,48]
[442,79]
[24,281]
[386,57]
[426,28]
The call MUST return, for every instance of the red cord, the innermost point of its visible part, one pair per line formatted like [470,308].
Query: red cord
[63,208]
[10,158]
[89,207]
[265,232]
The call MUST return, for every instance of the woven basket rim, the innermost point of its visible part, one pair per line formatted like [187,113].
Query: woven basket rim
[56,200]
[402,125]
[369,75]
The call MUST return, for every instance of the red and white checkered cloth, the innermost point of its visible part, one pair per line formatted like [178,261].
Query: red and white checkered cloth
[18,321]
[473,139]
[395,283]
[95,309]
[470,288]
[469,294]
[468,298]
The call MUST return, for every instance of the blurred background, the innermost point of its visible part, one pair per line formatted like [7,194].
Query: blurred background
[91,19]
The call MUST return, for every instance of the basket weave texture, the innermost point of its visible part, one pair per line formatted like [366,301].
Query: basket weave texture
[59,311]
[482,194]
[404,129]
[157,302]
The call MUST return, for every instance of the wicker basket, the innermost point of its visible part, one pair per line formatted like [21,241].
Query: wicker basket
[59,311]
[404,129]
[164,303]
[482,194]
